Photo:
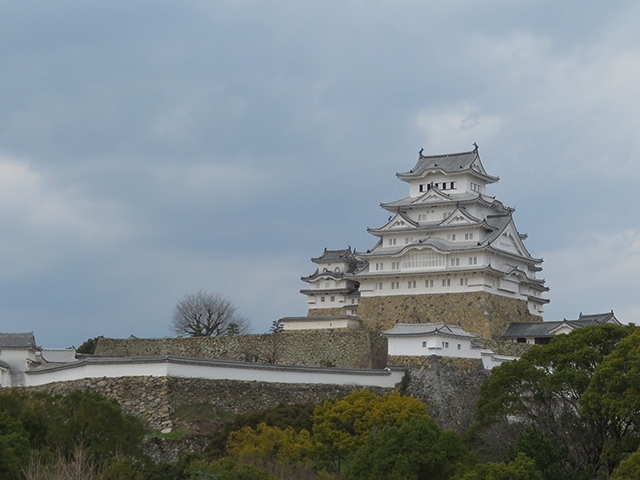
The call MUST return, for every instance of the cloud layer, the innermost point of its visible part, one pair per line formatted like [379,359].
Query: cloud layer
[150,150]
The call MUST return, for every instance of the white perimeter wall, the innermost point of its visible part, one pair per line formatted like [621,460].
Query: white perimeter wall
[215,371]
[320,324]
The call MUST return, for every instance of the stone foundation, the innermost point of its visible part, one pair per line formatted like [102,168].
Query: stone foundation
[448,386]
[481,313]
[154,399]
[341,348]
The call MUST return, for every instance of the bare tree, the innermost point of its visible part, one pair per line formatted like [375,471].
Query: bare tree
[207,314]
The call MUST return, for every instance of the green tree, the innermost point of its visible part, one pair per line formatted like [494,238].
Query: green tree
[96,423]
[418,449]
[548,456]
[544,388]
[14,447]
[267,446]
[341,426]
[297,416]
[612,400]
[227,469]
[89,346]
[629,468]
[521,468]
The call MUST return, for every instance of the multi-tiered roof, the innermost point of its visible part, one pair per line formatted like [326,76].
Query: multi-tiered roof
[446,236]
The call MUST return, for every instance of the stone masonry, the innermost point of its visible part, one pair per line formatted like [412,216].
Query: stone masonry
[314,348]
[481,313]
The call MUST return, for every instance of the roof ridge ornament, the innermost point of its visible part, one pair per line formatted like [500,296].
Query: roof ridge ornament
[475,147]
[420,153]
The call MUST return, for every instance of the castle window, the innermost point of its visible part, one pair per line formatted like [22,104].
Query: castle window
[445,344]
[395,285]
[326,285]
[379,266]
[322,299]
[337,270]
[424,344]
[411,284]
[446,282]
[462,282]
[392,241]
[459,347]
[455,262]
[473,260]
[333,298]
[453,185]
[422,188]
[451,237]
[428,283]
[379,285]
[468,236]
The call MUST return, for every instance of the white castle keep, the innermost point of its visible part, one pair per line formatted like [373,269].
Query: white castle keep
[446,237]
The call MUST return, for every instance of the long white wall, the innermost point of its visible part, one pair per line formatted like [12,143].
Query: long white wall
[112,367]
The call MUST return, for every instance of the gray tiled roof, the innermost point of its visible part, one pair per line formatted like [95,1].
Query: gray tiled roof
[422,329]
[449,163]
[334,256]
[544,329]
[463,197]
[17,340]
[59,355]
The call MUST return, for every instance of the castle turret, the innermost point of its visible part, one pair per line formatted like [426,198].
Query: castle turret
[448,252]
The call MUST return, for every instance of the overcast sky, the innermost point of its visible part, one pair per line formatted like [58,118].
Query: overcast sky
[150,149]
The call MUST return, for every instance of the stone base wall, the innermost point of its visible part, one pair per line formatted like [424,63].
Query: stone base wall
[342,348]
[482,313]
[448,386]
[154,399]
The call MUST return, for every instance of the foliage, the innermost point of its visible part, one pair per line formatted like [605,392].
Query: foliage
[96,423]
[418,449]
[279,451]
[72,436]
[89,346]
[14,446]
[206,314]
[276,326]
[341,426]
[548,456]
[227,469]
[546,388]
[629,468]
[521,468]
[297,416]
[612,399]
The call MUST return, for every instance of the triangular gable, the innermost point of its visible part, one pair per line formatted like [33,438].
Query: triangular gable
[459,217]
[509,241]
[564,327]
[432,195]
[399,222]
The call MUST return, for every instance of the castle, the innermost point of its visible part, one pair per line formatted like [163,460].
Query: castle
[448,252]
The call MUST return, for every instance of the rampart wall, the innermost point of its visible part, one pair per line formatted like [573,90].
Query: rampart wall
[448,386]
[154,399]
[315,348]
[482,313]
